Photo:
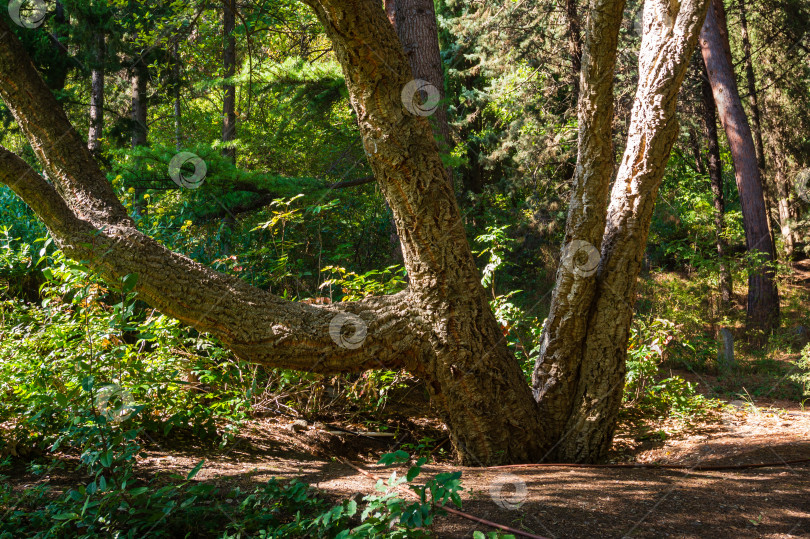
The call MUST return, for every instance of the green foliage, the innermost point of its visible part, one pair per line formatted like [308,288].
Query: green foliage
[646,390]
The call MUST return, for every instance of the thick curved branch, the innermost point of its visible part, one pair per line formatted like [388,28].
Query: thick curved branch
[90,224]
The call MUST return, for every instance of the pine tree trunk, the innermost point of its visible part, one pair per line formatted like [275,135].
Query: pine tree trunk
[716,179]
[97,96]
[763,297]
[756,125]
[229,70]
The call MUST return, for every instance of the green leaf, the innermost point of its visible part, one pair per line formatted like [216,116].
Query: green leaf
[397,457]
[129,282]
[194,471]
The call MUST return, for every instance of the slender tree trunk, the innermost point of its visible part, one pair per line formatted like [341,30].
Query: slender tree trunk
[178,116]
[700,167]
[140,129]
[229,70]
[415,23]
[763,297]
[97,96]
[716,179]
[574,44]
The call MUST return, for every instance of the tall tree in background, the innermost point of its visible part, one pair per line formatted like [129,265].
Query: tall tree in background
[229,70]
[763,297]
[97,93]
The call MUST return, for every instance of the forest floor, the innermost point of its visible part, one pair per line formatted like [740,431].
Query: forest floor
[551,501]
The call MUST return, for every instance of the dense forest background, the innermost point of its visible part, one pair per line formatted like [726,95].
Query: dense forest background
[226,129]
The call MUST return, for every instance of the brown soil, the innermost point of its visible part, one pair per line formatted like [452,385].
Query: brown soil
[772,502]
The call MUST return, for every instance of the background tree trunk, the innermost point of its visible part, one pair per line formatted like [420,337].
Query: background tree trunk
[97,96]
[178,116]
[229,70]
[140,130]
[763,297]
[756,125]
[574,44]
[716,179]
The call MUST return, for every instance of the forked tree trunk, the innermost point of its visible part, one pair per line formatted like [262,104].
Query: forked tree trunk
[229,69]
[472,376]
[97,95]
[583,357]
[763,297]
[442,328]
[716,179]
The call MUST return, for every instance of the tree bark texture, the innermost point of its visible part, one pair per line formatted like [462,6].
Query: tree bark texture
[229,70]
[763,297]
[582,361]
[441,329]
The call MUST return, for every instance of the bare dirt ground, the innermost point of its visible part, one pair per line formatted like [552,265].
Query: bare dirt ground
[548,501]
[769,502]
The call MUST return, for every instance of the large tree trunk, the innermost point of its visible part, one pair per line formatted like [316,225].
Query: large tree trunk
[442,329]
[97,95]
[716,179]
[415,23]
[472,377]
[229,69]
[579,376]
[763,297]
